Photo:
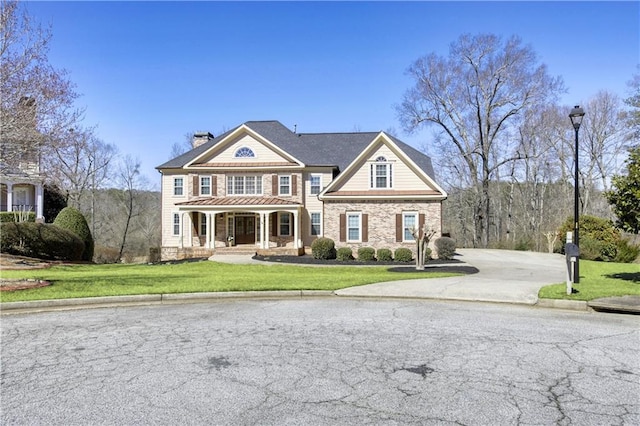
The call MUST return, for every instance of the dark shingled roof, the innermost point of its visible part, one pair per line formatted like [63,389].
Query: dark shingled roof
[313,149]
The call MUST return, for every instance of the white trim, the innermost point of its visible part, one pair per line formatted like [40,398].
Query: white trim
[416,217]
[361,159]
[280,224]
[231,137]
[183,186]
[289,185]
[174,224]
[231,178]
[235,154]
[347,236]
[311,176]
[201,186]
[319,234]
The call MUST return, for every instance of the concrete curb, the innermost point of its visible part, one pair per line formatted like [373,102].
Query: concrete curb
[572,305]
[152,299]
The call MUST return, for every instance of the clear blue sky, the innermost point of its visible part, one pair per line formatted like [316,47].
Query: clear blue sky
[149,72]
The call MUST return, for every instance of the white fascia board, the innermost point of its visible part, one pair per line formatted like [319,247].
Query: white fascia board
[240,129]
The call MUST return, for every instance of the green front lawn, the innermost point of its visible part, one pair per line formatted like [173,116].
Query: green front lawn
[599,279]
[116,280]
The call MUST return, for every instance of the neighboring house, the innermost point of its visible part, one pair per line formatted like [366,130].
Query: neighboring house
[21,183]
[264,186]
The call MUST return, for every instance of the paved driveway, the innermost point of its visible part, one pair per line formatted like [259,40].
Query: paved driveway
[504,276]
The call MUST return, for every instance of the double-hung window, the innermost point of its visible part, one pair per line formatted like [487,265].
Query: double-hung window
[244,185]
[285,224]
[315,183]
[205,185]
[381,174]
[354,227]
[409,224]
[316,223]
[203,224]
[284,185]
[176,224]
[178,186]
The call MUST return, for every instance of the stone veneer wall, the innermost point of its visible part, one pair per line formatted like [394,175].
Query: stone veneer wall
[382,221]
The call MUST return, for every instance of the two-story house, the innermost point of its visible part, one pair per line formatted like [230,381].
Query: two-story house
[262,185]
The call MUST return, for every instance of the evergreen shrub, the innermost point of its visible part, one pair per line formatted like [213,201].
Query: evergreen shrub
[384,255]
[323,248]
[71,219]
[366,254]
[344,253]
[403,254]
[446,248]
[40,240]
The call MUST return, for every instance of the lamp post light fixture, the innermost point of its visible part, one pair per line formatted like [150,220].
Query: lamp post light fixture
[576,115]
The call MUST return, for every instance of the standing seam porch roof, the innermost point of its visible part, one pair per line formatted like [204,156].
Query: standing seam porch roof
[313,149]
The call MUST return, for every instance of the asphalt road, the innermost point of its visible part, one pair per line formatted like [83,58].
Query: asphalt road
[321,361]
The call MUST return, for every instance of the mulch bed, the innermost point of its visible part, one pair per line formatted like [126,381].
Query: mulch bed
[10,262]
[453,265]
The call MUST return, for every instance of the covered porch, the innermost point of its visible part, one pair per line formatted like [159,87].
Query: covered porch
[22,195]
[265,225]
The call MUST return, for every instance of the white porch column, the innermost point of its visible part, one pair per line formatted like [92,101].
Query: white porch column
[212,237]
[266,229]
[207,242]
[39,201]
[296,229]
[181,233]
[261,219]
[9,196]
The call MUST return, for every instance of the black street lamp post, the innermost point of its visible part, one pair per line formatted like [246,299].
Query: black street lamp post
[576,116]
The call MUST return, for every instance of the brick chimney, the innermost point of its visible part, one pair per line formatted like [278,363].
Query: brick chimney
[201,137]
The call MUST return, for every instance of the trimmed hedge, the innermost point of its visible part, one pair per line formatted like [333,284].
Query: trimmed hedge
[323,248]
[7,217]
[446,248]
[384,255]
[344,253]
[40,240]
[71,219]
[403,254]
[366,254]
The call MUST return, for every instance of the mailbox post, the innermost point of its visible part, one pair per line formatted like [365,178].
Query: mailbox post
[572,253]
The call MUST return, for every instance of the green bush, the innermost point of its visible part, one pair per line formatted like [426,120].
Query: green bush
[594,228]
[40,240]
[403,254]
[7,217]
[384,255]
[590,248]
[71,219]
[323,248]
[366,254]
[446,248]
[427,252]
[344,253]
[627,252]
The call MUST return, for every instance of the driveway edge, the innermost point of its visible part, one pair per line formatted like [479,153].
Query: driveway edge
[573,305]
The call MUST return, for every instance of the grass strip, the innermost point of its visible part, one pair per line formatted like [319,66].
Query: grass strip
[598,279]
[118,280]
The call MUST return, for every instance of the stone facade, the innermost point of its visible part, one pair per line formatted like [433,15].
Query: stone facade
[381,221]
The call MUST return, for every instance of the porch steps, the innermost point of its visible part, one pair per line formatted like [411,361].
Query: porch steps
[235,250]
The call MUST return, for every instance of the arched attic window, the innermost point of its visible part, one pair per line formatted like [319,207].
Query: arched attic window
[244,152]
[381,175]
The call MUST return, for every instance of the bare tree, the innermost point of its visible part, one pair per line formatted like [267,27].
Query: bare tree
[130,182]
[476,97]
[80,164]
[36,100]
[179,148]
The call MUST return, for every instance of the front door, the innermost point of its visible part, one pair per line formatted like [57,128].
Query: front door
[245,230]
